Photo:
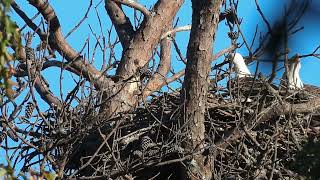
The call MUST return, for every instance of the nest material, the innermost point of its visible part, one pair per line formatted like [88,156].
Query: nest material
[149,141]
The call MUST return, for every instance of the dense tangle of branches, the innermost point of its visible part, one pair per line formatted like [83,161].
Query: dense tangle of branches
[131,124]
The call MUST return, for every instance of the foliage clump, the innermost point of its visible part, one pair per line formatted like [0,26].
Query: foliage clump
[9,37]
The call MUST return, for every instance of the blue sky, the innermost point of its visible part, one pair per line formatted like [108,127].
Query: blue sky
[303,42]
[71,11]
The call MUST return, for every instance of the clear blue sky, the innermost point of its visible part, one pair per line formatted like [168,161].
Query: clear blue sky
[71,11]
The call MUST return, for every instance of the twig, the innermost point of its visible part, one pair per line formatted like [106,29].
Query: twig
[135,5]
[80,22]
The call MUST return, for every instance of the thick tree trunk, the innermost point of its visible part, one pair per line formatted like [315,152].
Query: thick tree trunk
[205,19]
[137,54]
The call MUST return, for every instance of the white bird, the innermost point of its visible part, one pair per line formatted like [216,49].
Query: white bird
[239,65]
[245,85]
[294,80]
[309,91]
[240,86]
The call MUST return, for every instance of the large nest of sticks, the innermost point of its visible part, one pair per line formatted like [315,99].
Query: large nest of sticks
[272,135]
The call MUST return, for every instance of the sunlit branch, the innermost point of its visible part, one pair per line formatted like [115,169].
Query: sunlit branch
[224,51]
[175,30]
[58,42]
[136,6]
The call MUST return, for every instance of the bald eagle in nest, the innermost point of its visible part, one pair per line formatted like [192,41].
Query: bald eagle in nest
[244,86]
[293,84]
[300,92]
[291,77]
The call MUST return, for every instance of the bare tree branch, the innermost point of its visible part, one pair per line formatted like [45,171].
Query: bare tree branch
[159,77]
[175,30]
[28,21]
[138,54]
[120,21]
[58,42]
[136,6]
[45,93]
[47,64]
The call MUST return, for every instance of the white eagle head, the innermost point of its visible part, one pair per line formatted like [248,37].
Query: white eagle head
[294,79]
[240,66]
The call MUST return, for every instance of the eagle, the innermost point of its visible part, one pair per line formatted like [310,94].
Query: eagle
[293,83]
[291,77]
[243,86]
[301,92]
[240,66]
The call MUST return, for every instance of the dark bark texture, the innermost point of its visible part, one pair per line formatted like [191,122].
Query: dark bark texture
[205,18]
